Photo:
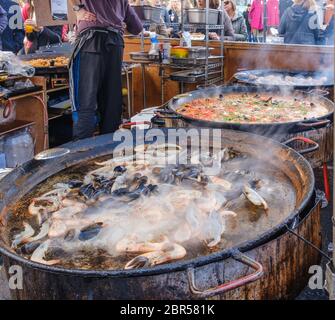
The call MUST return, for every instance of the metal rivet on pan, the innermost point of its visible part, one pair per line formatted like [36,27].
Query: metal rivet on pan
[52,154]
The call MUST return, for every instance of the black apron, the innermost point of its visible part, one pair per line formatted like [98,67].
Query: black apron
[96,82]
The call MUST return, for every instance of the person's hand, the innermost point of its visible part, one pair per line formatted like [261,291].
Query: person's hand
[169,31]
[146,33]
[330,7]
[30,26]
[213,36]
[71,37]
[26,45]
[84,15]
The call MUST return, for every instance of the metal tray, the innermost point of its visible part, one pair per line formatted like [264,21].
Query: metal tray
[196,61]
[198,52]
[190,76]
[143,56]
[46,55]
[43,55]
[149,13]
[198,16]
[17,92]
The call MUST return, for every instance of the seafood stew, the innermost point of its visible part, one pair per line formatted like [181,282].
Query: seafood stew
[281,79]
[253,108]
[116,213]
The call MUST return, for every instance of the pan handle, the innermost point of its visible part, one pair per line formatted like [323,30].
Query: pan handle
[200,86]
[8,109]
[231,285]
[319,92]
[315,145]
[128,125]
[314,124]
[166,104]
[180,96]
[167,114]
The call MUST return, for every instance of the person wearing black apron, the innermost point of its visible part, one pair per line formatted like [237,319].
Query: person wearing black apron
[96,64]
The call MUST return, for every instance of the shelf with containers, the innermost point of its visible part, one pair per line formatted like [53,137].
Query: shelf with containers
[23,120]
[206,20]
[209,69]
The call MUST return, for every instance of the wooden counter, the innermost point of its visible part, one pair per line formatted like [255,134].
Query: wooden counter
[238,56]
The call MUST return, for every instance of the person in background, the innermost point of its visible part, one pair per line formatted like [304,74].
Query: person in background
[256,19]
[299,23]
[329,31]
[65,32]
[272,11]
[228,27]
[283,5]
[158,28]
[37,36]
[174,17]
[96,64]
[328,11]
[12,38]
[174,11]
[69,33]
[165,14]
[237,20]
[247,23]
[3,23]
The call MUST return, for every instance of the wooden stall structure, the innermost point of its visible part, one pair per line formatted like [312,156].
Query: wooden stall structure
[30,113]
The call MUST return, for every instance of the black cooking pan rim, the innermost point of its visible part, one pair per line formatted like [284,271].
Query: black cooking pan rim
[248,126]
[179,265]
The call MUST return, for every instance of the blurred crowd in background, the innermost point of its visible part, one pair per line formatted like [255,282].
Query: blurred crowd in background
[298,21]
[295,21]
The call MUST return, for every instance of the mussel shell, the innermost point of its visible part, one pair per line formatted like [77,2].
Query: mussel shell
[87,191]
[30,247]
[120,169]
[120,192]
[70,234]
[90,231]
[74,184]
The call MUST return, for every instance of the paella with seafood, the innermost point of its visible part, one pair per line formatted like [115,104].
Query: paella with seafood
[47,63]
[159,205]
[252,108]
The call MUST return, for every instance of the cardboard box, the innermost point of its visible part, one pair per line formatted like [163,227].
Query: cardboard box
[44,15]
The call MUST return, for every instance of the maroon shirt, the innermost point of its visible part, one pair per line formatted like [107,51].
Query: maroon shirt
[111,13]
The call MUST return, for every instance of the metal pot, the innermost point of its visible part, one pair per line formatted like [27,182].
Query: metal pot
[319,130]
[267,129]
[327,89]
[149,13]
[218,274]
[198,16]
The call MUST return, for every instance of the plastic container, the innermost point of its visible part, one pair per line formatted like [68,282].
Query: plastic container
[18,148]
[166,52]
[179,52]
[198,52]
